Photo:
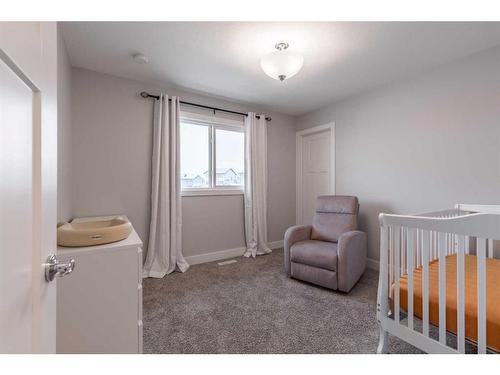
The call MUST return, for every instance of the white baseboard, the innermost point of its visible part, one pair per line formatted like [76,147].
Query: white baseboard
[225,254]
[216,255]
[372,263]
[275,245]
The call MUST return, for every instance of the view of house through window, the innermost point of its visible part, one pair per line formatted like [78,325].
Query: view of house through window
[212,155]
[195,155]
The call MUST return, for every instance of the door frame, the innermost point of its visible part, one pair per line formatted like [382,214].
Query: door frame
[298,151]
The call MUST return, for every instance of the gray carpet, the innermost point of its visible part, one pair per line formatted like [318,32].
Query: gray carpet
[252,307]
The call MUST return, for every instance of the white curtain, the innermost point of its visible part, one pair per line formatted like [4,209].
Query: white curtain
[256,186]
[164,246]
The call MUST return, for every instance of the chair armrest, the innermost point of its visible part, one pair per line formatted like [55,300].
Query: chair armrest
[292,235]
[351,252]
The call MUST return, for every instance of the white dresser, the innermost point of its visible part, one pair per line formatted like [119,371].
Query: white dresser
[99,306]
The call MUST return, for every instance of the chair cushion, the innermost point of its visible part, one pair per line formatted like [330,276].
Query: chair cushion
[334,216]
[315,253]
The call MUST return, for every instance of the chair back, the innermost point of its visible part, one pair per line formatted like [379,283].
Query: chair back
[335,215]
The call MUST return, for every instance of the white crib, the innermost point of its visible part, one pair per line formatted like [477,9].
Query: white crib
[411,242]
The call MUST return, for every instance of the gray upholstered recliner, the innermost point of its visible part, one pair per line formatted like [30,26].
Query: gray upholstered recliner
[331,252]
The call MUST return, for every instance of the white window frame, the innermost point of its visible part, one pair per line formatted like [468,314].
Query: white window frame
[213,122]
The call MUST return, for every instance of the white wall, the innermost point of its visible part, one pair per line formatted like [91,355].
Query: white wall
[422,144]
[112,134]
[64,141]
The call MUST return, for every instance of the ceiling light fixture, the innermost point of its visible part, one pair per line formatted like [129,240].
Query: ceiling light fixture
[283,63]
[139,58]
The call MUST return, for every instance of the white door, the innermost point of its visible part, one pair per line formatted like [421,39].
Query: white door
[315,169]
[28,170]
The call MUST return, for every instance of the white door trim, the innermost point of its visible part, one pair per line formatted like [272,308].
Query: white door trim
[298,164]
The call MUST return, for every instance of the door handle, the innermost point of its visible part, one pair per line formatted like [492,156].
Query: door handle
[55,268]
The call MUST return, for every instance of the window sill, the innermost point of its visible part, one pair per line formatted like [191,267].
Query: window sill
[208,192]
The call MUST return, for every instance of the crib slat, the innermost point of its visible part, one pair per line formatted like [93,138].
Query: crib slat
[391,255]
[431,245]
[460,295]
[404,250]
[436,246]
[397,271]
[442,287]
[419,239]
[431,257]
[425,281]
[417,248]
[448,249]
[490,248]
[384,286]
[450,244]
[412,239]
[481,296]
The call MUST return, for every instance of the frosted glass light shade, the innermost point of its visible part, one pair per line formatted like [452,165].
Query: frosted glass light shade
[282,65]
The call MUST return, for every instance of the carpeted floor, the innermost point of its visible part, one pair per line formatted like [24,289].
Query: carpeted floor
[252,307]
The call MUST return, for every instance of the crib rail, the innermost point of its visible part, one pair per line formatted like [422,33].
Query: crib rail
[410,242]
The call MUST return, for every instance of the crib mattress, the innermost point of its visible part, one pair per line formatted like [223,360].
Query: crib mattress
[470,305]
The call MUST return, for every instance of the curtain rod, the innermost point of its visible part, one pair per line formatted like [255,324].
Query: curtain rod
[146,95]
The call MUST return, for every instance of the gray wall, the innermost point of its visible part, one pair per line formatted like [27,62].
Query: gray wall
[64,152]
[112,132]
[422,144]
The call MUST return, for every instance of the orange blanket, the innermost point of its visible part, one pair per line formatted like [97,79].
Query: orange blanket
[492,297]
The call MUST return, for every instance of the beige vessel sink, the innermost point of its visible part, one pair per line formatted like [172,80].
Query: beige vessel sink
[93,232]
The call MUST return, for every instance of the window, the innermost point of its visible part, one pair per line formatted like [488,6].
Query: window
[229,157]
[212,155]
[195,155]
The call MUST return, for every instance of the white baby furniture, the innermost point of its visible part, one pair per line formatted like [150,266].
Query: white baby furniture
[434,243]
[99,308]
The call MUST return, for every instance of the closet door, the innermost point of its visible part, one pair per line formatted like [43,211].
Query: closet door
[315,169]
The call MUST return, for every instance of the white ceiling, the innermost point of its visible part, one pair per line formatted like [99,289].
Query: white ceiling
[222,58]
